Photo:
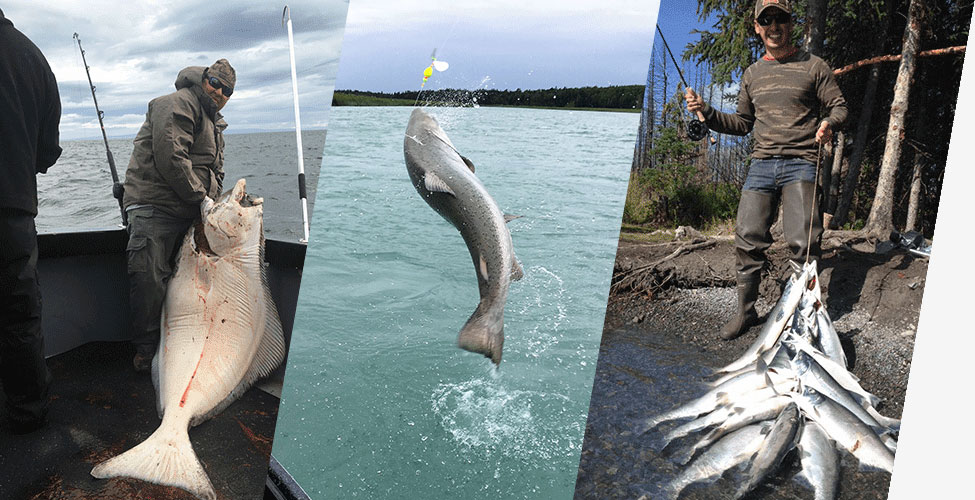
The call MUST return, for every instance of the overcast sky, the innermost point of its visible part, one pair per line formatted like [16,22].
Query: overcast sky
[499,44]
[135,49]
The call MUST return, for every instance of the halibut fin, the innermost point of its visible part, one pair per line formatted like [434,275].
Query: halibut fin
[270,353]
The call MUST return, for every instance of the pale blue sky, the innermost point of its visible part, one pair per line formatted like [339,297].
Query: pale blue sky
[504,44]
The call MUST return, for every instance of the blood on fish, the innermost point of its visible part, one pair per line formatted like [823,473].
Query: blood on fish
[182,400]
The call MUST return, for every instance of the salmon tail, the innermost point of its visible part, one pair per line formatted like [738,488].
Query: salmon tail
[165,458]
[483,333]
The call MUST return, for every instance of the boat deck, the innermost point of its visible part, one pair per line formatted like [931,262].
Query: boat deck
[100,407]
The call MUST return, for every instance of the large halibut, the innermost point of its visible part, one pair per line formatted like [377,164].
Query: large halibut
[220,333]
[446,181]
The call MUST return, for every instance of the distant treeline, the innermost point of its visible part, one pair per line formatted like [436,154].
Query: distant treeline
[622,97]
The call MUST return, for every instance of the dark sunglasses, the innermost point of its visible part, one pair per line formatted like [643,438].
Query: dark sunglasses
[217,84]
[781,18]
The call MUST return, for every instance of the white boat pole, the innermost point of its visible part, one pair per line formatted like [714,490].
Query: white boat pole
[286,20]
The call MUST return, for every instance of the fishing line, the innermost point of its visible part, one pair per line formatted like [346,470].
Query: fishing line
[812,208]
[433,56]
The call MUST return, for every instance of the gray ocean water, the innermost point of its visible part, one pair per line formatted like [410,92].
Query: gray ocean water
[378,401]
[76,193]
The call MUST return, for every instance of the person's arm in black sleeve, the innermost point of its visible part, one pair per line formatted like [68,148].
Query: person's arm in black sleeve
[48,146]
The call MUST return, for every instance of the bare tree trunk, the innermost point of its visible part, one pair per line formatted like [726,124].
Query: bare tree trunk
[862,134]
[881,219]
[645,134]
[652,116]
[815,27]
[914,205]
[832,188]
[859,146]
[666,91]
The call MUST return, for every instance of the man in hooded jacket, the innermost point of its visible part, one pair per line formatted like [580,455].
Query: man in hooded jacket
[177,162]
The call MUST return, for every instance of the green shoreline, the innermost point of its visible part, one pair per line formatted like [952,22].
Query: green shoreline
[626,99]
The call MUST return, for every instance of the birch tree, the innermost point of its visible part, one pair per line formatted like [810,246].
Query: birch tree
[881,219]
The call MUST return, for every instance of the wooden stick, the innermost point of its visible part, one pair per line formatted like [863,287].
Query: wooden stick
[959,49]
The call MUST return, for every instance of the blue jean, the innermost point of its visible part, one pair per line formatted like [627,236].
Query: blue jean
[793,181]
[769,175]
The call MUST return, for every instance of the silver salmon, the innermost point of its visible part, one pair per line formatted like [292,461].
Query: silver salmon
[446,181]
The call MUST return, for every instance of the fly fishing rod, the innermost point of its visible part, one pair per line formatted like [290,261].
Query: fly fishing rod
[696,129]
[286,21]
[117,189]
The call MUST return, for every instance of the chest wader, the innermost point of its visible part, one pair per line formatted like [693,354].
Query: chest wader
[756,214]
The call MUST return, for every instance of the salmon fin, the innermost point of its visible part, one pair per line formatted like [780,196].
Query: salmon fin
[165,458]
[436,184]
[516,271]
[482,269]
[467,162]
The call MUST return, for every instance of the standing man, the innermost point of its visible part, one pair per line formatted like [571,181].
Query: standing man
[791,101]
[177,162]
[30,111]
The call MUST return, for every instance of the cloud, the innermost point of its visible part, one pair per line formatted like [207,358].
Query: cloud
[135,50]
[509,43]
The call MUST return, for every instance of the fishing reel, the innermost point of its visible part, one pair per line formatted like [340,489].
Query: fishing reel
[697,129]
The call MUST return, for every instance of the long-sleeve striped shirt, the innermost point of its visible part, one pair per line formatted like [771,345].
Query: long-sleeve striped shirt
[783,102]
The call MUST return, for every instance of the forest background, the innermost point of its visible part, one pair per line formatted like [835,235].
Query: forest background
[899,66]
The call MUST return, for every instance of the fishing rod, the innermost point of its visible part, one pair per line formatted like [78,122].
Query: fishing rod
[117,189]
[696,129]
[286,21]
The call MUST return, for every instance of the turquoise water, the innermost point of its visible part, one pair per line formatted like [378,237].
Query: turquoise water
[378,401]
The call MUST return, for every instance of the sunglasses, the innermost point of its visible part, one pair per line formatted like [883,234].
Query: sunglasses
[781,18]
[217,84]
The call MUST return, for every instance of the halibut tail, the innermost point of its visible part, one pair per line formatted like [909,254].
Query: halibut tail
[166,458]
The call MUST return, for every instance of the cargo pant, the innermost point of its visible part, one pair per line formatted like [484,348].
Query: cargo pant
[768,180]
[154,241]
[23,371]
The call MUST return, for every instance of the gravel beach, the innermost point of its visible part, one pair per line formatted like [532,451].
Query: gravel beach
[660,339]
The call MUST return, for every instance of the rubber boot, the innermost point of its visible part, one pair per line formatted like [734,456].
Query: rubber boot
[756,212]
[798,201]
[746,317]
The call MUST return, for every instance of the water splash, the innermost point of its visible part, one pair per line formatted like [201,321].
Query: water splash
[541,297]
[485,417]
